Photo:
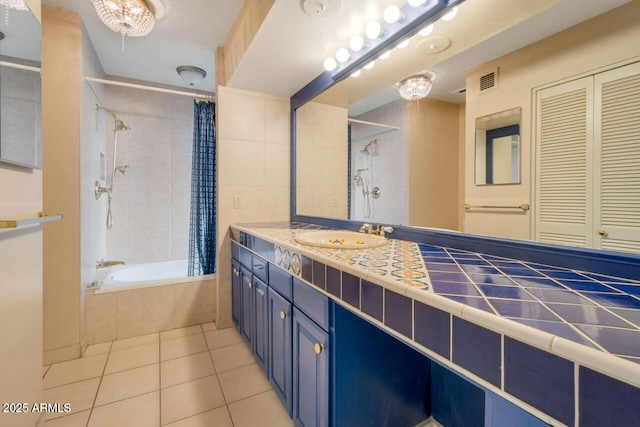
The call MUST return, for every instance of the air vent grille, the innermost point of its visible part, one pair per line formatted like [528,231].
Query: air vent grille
[489,81]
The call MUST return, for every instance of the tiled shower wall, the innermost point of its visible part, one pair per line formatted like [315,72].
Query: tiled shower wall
[150,204]
[388,164]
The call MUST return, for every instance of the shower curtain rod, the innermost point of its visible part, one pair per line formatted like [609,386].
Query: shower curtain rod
[19,66]
[373,124]
[151,88]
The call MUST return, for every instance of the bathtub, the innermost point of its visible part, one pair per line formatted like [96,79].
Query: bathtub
[136,276]
[139,299]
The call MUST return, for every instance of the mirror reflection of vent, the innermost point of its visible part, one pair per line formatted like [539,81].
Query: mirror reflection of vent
[489,81]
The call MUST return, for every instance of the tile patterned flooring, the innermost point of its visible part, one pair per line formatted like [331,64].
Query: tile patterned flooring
[188,377]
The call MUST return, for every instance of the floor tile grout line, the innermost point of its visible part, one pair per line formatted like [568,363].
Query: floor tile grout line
[104,368]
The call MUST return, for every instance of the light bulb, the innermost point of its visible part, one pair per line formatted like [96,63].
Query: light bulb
[416,3]
[451,14]
[385,55]
[392,14]
[373,30]
[404,43]
[369,65]
[330,64]
[356,43]
[355,74]
[426,30]
[342,55]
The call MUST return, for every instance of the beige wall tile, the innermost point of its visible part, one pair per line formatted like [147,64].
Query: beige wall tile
[242,116]
[187,399]
[101,316]
[278,130]
[194,319]
[277,163]
[277,204]
[241,163]
[194,298]
[143,311]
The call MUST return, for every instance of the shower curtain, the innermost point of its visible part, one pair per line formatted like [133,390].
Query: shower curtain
[202,226]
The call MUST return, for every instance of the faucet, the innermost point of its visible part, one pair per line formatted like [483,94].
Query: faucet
[102,263]
[377,230]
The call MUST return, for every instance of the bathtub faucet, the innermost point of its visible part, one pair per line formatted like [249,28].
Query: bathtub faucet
[102,263]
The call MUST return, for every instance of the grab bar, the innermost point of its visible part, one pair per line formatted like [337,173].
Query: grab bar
[41,218]
[524,207]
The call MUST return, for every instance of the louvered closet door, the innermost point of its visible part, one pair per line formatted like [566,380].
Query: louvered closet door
[617,154]
[564,154]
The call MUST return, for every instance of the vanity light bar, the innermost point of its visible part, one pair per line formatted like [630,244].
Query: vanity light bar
[409,21]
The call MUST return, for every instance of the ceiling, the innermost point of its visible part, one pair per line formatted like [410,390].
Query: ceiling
[188,34]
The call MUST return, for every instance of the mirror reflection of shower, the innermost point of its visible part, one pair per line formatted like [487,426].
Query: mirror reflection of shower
[365,178]
[119,126]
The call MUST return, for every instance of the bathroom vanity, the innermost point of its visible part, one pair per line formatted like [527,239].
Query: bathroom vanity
[395,334]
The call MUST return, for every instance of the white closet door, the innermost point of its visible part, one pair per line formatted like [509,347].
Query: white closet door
[617,155]
[564,155]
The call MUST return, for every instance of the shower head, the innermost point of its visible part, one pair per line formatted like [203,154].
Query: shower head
[121,126]
[365,150]
[122,169]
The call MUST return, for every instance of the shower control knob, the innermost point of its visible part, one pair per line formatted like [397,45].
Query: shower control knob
[283,314]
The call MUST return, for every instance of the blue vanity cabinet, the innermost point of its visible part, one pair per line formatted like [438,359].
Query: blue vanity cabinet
[236,289]
[310,372]
[247,307]
[280,346]
[261,331]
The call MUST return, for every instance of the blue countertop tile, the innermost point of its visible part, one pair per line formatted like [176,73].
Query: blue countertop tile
[603,278]
[617,341]
[442,267]
[512,292]
[447,277]
[538,282]
[491,279]
[482,269]
[507,264]
[463,261]
[523,309]
[614,300]
[563,274]
[557,295]
[587,285]
[630,289]
[589,315]
[632,316]
[454,288]
[476,302]
[557,328]
[527,272]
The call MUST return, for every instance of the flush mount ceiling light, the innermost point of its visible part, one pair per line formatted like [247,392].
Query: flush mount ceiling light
[416,87]
[133,18]
[191,75]
[12,4]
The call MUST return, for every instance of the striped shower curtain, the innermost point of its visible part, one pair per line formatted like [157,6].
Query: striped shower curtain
[202,223]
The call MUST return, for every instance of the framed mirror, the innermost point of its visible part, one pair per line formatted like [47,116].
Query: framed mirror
[361,153]
[20,94]
[497,154]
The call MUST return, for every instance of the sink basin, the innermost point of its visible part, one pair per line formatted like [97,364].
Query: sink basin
[340,239]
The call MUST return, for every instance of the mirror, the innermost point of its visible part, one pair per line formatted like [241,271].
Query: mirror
[20,97]
[498,148]
[365,154]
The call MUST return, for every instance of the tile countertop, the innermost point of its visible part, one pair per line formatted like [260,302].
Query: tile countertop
[586,317]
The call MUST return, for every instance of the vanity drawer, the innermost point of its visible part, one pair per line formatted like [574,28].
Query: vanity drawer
[244,256]
[260,268]
[313,303]
[281,281]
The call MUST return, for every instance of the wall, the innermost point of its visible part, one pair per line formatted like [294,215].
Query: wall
[388,163]
[433,164]
[253,166]
[321,161]
[21,289]
[151,203]
[61,104]
[599,42]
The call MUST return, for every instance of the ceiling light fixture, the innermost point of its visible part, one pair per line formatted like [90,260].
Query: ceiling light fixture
[393,14]
[356,43]
[342,55]
[356,74]
[417,3]
[404,43]
[191,75]
[426,30]
[451,14]
[373,30]
[415,87]
[385,55]
[133,18]
[12,4]
[369,65]
[330,64]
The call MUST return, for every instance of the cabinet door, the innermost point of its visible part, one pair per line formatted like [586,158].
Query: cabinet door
[310,373]
[246,326]
[236,299]
[261,318]
[280,369]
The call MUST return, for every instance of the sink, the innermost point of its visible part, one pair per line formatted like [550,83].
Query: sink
[340,239]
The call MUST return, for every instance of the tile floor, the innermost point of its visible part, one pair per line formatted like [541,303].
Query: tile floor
[194,376]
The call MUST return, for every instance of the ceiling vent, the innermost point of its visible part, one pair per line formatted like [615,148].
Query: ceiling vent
[489,81]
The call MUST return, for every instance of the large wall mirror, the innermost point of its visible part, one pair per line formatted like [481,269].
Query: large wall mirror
[365,154]
[20,97]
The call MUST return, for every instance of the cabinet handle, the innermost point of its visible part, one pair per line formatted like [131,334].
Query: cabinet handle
[250,285]
[602,233]
[319,348]
[283,314]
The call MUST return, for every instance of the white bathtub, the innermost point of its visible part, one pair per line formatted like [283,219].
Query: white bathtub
[135,276]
